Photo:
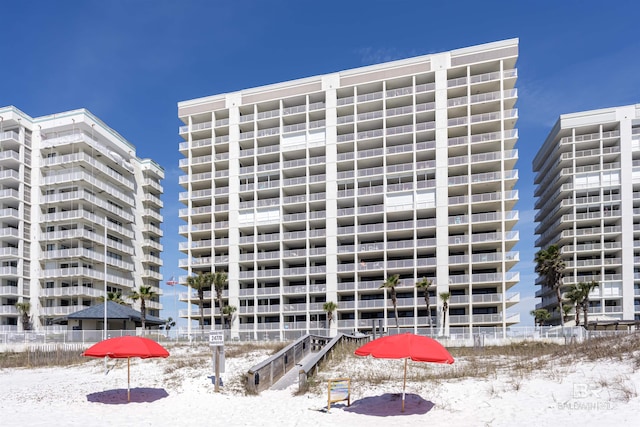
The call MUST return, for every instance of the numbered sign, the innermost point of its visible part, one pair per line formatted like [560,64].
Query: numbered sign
[216,339]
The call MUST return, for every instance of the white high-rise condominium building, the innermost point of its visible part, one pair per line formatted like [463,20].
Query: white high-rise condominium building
[79,212]
[319,189]
[588,202]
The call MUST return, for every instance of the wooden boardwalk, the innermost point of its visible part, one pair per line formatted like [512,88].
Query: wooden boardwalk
[291,377]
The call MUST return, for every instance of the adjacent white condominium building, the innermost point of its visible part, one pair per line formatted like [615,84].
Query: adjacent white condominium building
[588,203]
[319,189]
[79,214]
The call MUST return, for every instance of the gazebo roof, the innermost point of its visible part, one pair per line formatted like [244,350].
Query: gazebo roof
[115,311]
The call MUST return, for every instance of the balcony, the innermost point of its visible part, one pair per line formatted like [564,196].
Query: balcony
[481,78]
[72,291]
[8,310]
[10,135]
[61,311]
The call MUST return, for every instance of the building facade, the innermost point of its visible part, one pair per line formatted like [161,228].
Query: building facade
[319,189]
[79,217]
[588,205]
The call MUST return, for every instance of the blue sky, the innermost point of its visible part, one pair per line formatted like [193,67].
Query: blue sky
[130,63]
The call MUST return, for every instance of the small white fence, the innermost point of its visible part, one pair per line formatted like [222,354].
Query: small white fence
[457,337]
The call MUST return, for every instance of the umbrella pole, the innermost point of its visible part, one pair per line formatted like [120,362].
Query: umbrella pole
[129,379]
[404,384]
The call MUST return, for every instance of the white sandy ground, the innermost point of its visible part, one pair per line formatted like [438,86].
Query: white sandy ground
[604,393]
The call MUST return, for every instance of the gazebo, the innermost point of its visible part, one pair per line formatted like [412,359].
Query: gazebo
[119,317]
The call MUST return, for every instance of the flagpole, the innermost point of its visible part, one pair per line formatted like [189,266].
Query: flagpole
[106,299]
[105,327]
[404,384]
[173,282]
[175,306]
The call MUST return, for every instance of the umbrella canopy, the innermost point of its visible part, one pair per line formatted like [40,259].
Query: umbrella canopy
[127,347]
[406,346]
[415,347]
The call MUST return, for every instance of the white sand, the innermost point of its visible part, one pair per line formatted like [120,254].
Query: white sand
[591,394]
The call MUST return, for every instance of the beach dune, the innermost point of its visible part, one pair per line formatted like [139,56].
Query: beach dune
[179,391]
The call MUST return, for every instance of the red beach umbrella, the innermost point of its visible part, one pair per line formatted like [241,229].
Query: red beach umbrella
[406,346]
[127,347]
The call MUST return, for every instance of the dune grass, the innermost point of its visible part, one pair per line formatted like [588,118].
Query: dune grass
[36,358]
[518,361]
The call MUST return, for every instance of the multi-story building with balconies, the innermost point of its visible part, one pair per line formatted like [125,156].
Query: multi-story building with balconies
[588,205]
[319,189]
[79,215]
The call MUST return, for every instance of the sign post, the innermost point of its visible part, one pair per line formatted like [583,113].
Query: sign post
[216,341]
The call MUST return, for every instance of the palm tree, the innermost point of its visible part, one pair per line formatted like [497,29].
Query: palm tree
[228,311]
[541,315]
[566,310]
[169,323]
[329,307]
[24,308]
[586,289]
[544,315]
[579,294]
[113,296]
[444,296]
[534,314]
[551,267]
[143,294]
[200,282]
[575,298]
[219,281]
[425,284]
[391,284]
